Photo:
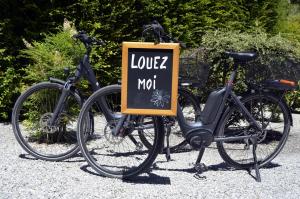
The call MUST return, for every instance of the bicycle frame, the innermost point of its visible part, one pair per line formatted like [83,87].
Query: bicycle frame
[83,69]
[201,136]
[213,127]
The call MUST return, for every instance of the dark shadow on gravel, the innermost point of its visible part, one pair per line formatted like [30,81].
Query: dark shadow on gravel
[70,160]
[151,178]
[73,158]
[217,167]
[27,157]
[156,167]
[225,167]
[86,168]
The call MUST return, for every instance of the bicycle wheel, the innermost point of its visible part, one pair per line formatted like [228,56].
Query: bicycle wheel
[30,118]
[271,114]
[191,110]
[121,156]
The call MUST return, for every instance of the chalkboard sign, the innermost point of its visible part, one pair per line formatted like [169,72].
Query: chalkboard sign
[149,78]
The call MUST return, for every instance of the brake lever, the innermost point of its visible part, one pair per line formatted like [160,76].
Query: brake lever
[98,41]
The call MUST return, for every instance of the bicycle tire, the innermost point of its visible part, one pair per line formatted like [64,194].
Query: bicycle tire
[115,156]
[186,100]
[30,114]
[270,142]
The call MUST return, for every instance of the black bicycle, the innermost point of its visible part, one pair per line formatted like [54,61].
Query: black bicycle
[249,132]
[45,116]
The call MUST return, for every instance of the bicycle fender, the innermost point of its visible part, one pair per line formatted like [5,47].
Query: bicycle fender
[55,80]
[289,111]
[62,82]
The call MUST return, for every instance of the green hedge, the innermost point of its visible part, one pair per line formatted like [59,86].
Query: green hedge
[279,58]
[115,21]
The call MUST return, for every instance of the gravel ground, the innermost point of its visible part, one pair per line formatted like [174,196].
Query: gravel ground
[21,176]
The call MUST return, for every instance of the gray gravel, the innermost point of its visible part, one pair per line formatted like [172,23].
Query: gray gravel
[21,176]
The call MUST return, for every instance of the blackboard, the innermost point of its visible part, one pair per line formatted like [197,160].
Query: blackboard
[149,78]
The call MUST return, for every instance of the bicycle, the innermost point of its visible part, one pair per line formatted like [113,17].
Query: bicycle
[44,116]
[245,131]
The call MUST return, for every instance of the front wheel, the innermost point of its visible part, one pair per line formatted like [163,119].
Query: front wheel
[270,113]
[123,155]
[30,121]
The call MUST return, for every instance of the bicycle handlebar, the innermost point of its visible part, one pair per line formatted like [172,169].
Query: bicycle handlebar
[159,31]
[156,27]
[87,40]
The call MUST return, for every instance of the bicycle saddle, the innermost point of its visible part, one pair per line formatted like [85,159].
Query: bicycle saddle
[241,56]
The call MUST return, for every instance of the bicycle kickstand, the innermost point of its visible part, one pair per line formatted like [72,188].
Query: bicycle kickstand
[254,142]
[168,152]
[200,167]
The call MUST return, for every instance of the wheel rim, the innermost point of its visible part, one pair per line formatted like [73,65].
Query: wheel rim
[40,139]
[117,156]
[270,140]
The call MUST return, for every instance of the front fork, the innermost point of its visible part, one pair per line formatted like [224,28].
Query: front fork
[61,102]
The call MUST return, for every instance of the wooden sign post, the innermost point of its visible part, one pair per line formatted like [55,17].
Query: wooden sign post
[149,78]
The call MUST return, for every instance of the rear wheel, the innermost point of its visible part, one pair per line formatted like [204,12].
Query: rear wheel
[30,121]
[123,155]
[271,114]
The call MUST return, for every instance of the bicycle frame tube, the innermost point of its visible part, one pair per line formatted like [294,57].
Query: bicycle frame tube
[89,73]
[245,112]
[86,70]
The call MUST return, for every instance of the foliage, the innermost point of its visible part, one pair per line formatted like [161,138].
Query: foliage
[293,99]
[289,25]
[117,21]
[9,87]
[274,54]
[50,56]
[27,19]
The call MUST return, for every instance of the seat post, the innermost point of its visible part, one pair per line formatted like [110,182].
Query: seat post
[236,64]
[233,75]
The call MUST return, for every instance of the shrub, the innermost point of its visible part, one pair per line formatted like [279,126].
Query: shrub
[289,26]
[9,86]
[275,54]
[50,56]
